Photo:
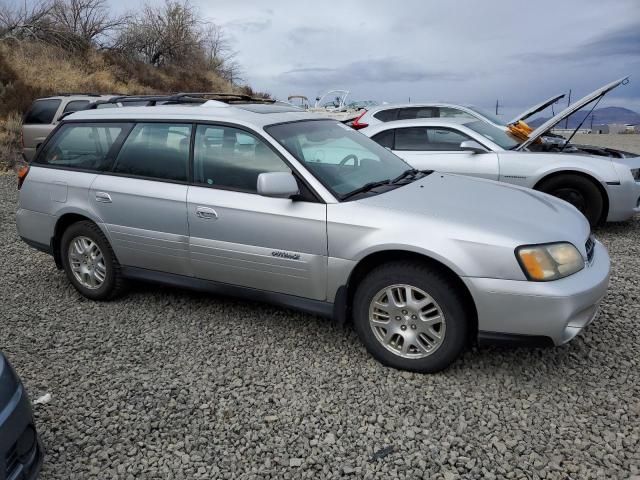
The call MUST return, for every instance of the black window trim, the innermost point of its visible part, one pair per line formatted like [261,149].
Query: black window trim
[452,129]
[111,154]
[145,177]
[317,198]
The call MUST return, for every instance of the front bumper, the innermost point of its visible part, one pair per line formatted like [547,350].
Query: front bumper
[16,425]
[556,310]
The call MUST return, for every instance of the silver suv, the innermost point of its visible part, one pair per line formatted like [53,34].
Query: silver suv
[270,203]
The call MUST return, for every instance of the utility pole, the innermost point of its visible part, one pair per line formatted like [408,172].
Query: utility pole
[566,122]
[591,127]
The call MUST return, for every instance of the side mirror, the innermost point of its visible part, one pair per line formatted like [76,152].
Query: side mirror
[277,184]
[472,146]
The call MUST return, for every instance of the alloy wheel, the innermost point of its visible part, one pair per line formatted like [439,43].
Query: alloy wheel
[407,321]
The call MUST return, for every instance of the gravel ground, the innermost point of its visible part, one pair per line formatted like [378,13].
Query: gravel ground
[167,383]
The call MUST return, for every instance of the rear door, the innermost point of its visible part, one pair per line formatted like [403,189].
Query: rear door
[436,148]
[241,238]
[142,200]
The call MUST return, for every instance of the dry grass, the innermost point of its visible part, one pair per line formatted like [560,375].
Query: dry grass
[32,70]
[10,132]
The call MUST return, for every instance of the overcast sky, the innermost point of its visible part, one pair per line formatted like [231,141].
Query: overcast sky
[466,51]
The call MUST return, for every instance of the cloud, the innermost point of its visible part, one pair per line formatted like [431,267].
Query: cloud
[382,70]
[620,42]
[249,26]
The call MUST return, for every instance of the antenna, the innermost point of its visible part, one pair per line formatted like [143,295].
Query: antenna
[497,106]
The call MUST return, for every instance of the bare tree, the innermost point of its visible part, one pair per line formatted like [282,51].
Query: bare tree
[89,20]
[25,22]
[164,35]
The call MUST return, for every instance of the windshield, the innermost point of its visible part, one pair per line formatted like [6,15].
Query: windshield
[489,116]
[495,134]
[341,158]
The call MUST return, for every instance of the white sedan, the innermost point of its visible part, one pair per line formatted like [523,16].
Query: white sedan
[603,188]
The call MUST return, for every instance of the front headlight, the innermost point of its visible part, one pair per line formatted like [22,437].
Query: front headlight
[636,174]
[542,263]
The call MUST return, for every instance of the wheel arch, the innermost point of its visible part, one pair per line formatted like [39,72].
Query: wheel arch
[64,222]
[591,178]
[372,260]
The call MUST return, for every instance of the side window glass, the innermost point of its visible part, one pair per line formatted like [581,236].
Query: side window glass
[42,112]
[156,150]
[384,138]
[417,112]
[444,139]
[83,146]
[413,138]
[387,115]
[75,105]
[449,112]
[232,158]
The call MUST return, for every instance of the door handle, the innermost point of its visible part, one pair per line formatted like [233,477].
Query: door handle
[206,213]
[103,197]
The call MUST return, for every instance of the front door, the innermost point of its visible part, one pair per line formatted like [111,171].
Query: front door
[435,148]
[143,199]
[241,238]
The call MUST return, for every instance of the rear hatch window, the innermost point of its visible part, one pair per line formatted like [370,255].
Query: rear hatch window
[42,111]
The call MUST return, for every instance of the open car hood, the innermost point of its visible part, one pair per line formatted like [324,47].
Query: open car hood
[552,122]
[535,109]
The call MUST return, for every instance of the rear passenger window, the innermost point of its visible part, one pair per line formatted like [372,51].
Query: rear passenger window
[232,158]
[413,138]
[83,146]
[387,115]
[42,112]
[417,112]
[156,150]
[75,106]
[384,138]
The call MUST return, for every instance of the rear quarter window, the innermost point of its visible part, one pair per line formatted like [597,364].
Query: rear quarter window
[42,112]
[387,115]
[75,105]
[83,146]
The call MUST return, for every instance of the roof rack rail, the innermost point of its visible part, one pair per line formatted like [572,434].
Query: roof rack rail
[86,94]
[185,98]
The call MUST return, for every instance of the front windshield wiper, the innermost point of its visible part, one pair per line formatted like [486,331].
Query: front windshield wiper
[365,188]
[412,172]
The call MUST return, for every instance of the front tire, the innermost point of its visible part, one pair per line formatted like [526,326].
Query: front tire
[411,317]
[89,262]
[580,192]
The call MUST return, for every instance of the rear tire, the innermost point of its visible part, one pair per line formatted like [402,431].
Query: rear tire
[579,191]
[421,330]
[89,262]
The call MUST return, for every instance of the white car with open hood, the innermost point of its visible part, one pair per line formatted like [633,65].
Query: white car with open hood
[604,184]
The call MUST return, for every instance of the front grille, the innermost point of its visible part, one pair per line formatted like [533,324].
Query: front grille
[11,462]
[590,246]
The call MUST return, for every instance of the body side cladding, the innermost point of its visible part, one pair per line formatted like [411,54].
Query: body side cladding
[315,307]
[486,338]
[38,246]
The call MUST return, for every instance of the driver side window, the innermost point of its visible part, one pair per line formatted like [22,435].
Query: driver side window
[429,139]
[232,158]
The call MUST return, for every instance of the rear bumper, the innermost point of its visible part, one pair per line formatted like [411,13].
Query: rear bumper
[16,422]
[541,312]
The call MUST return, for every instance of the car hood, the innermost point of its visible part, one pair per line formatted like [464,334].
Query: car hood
[535,109]
[552,122]
[484,211]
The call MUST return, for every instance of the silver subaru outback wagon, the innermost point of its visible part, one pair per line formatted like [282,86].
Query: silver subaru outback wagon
[274,204]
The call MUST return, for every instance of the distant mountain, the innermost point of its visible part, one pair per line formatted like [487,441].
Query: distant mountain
[601,116]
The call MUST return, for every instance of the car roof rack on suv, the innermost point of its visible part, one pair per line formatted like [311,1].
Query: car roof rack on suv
[184,98]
